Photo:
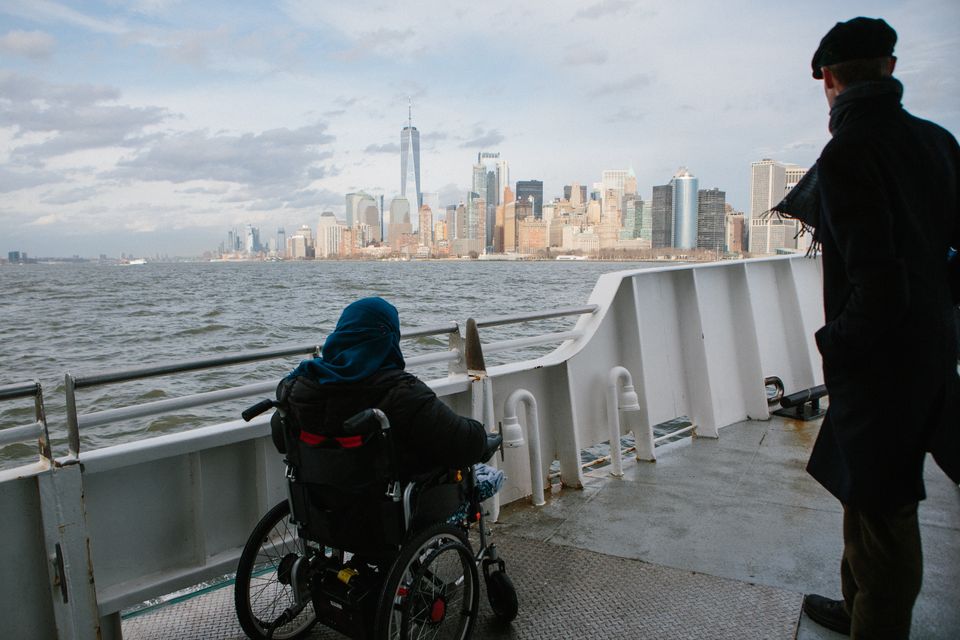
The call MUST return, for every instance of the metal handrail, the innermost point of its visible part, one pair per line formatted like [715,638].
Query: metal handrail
[72,383]
[38,429]
[495,321]
[474,349]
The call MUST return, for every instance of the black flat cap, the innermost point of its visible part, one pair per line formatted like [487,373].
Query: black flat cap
[853,40]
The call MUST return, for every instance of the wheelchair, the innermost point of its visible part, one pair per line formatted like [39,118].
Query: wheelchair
[373,555]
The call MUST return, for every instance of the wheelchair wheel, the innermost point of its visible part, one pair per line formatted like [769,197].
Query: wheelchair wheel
[263,588]
[431,590]
[502,596]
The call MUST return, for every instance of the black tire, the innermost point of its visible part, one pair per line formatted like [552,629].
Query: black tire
[262,590]
[432,589]
[502,596]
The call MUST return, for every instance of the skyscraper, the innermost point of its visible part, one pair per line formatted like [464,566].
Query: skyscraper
[410,157]
[711,209]
[612,192]
[768,182]
[662,217]
[684,210]
[527,189]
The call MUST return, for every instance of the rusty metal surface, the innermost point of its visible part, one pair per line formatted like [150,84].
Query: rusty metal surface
[564,593]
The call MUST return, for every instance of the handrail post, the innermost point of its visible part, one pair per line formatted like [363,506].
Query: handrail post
[73,423]
[41,414]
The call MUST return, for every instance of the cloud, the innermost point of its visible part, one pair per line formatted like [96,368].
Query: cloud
[30,44]
[275,160]
[625,114]
[433,136]
[605,8]
[13,180]
[46,12]
[584,55]
[632,83]
[71,196]
[390,147]
[72,117]
[484,139]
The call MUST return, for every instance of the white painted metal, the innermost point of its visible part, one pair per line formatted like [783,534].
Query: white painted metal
[624,400]
[171,511]
[511,422]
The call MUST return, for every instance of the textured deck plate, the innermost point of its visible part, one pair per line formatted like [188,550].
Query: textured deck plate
[564,593]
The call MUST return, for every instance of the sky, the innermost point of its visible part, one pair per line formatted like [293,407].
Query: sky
[153,127]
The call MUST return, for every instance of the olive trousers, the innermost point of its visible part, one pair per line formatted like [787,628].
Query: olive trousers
[881,570]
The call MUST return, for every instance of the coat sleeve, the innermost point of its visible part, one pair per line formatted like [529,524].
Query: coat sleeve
[433,430]
[861,221]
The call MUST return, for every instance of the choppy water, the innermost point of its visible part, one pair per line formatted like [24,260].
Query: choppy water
[89,318]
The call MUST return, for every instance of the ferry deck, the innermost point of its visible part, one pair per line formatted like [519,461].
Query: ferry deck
[717,539]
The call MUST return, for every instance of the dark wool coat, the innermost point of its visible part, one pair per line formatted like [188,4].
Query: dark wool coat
[890,210]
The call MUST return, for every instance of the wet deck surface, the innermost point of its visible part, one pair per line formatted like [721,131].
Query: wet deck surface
[717,539]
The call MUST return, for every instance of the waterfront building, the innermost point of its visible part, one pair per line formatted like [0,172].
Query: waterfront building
[662,217]
[531,235]
[612,191]
[328,236]
[593,212]
[510,227]
[477,222]
[439,231]
[711,210]
[281,242]
[645,231]
[410,158]
[768,182]
[451,230]
[771,232]
[733,230]
[399,221]
[794,173]
[531,190]
[575,194]
[351,212]
[685,199]
[425,226]
[460,224]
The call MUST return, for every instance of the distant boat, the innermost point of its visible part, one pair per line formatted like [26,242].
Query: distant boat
[137,261]
[572,258]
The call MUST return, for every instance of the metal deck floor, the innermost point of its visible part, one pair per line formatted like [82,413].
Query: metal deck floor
[717,539]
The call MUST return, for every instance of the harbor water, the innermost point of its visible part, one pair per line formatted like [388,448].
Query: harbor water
[89,318]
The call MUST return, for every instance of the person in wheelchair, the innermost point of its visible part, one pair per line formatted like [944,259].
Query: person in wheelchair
[360,367]
[383,487]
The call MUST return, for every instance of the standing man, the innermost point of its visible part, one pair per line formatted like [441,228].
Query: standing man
[889,212]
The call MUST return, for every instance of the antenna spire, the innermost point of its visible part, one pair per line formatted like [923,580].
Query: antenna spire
[409,112]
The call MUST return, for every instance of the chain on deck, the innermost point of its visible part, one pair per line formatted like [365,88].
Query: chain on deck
[564,593]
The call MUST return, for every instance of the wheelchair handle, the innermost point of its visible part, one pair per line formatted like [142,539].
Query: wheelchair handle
[252,412]
[365,422]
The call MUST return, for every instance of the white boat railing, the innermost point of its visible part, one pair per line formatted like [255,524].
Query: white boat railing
[102,530]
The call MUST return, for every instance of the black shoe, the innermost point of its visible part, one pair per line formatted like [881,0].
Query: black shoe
[827,613]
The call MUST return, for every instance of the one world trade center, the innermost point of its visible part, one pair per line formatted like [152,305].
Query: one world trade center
[410,157]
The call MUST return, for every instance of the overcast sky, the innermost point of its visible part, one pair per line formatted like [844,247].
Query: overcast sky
[154,126]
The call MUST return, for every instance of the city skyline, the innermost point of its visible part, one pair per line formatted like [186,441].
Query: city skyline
[152,127]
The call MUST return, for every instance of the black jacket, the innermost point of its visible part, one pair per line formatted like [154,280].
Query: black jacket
[890,210]
[427,433]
